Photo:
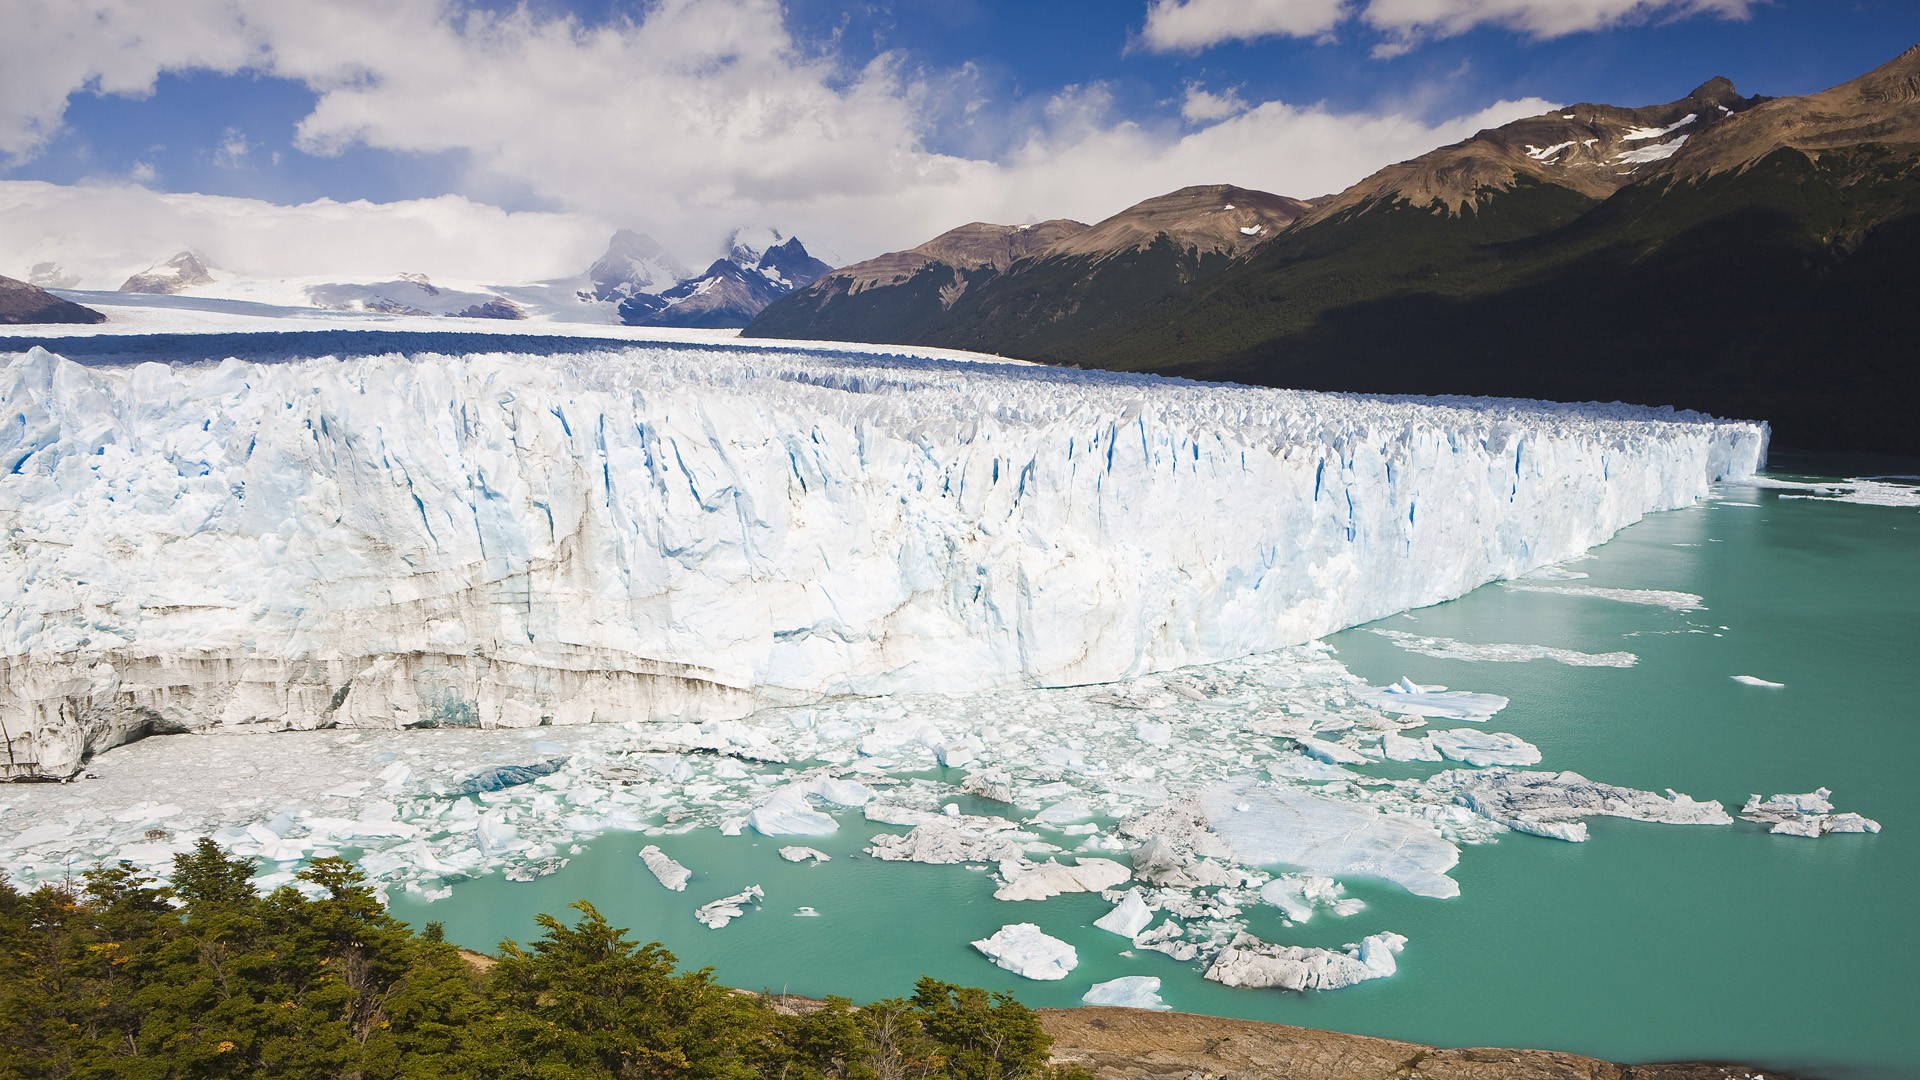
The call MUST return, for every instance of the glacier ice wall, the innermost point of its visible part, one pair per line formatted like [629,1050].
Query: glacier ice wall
[512,540]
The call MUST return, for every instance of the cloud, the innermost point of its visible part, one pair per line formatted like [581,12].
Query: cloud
[684,120]
[1199,106]
[1190,25]
[233,150]
[142,173]
[105,232]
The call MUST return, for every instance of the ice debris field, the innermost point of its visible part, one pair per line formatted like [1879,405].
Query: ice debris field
[791,592]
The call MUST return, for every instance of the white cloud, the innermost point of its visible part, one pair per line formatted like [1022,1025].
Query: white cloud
[1200,106]
[233,149]
[142,173]
[1189,25]
[104,233]
[684,121]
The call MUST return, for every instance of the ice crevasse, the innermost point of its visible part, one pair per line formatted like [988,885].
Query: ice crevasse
[691,533]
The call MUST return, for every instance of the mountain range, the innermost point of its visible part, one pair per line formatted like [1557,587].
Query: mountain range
[1747,256]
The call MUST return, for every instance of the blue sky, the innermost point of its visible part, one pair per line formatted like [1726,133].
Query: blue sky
[864,125]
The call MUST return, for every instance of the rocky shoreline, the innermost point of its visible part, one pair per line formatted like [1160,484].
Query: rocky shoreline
[1133,1044]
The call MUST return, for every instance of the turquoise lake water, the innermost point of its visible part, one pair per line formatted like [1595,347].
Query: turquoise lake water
[1649,942]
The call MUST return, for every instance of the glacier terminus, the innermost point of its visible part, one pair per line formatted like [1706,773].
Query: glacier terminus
[516,536]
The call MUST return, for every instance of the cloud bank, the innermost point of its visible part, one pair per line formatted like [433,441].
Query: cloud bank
[1190,25]
[685,120]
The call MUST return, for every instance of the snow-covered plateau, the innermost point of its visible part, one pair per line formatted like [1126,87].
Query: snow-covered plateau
[688,533]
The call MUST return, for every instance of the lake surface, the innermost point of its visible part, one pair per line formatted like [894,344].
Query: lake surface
[1649,942]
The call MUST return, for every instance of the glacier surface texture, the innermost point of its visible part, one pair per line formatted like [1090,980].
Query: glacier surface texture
[687,534]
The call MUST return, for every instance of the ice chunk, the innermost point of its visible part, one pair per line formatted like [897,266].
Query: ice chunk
[538,868]
[500,777]
[1484,747]
[1022,949]
[1037,881]
[1130,916]
[786,813]
[961,840]
[1300,895]
[1552,804]
[671,874]
[1062,813]
[1330,752]
[1677,601]
[1449,649]
[841,792]
[1808,815]
[1298,828]
[1407,696]
[1401,748]
[1249,961]
[1754,680]
[728,908]
[1153,733]
[1127,992]
[990,784]
[802,854]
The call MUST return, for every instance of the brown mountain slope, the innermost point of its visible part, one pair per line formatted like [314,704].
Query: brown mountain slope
[24,303]
[969,247]
[1594,149]
[1882,106]
[1208,217]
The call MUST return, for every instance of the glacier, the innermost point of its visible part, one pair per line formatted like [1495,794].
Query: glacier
[655,532]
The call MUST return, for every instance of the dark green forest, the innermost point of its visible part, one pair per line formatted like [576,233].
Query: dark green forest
[117,976]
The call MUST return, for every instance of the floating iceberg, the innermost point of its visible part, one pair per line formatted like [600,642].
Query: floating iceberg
[1677,601]
[804,854]
[1484,747]
[1248,961]
[1300,895]
[728,908]
[1298,828]
[682,534]
[1755,680]
[500,777]
[1130,916]
[1552,804]
[786,813]
[1127,992]
[1407,696]
[1022,949]
[1031,881]
[1449,649]
[670,873]
[1808,815]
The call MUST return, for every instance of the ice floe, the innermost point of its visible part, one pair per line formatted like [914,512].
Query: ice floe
[1407,696]
[728,908]
[669,872]
[1286,826]
[1128,917]
[1037,881]
[1893,491]
[1677,601]
[1553,804]
[1484,747]
[1755,680]
[1022,949]
[1127,992]
[1449,649]
[804,854]
[1809,815]
[1300,895]
[1249,961]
